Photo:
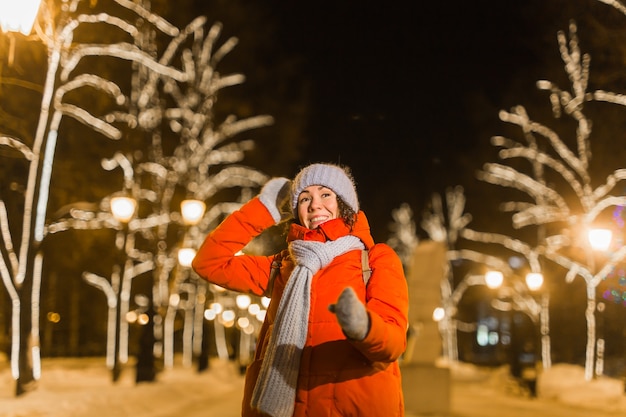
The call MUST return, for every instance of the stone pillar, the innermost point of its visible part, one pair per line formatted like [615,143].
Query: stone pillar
[426,386]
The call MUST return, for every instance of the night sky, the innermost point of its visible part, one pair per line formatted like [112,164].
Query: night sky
[402,90]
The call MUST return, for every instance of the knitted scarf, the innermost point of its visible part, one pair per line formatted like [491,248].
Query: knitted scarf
[275,390]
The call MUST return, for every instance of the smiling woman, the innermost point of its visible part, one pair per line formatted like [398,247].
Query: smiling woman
[331,338]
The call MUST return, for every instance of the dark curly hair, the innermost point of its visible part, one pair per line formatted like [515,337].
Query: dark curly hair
[346,213]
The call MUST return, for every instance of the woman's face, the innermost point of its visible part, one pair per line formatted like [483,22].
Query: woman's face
[317,204]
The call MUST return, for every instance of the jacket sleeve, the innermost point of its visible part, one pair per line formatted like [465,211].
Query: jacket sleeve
[387,306]
[217,260]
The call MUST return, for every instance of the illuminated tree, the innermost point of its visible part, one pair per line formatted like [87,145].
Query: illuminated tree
[92,50]
[565,201]
[65,79]
[200,166]
[448,223]
[403,237]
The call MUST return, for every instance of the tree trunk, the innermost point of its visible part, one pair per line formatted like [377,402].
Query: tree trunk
[29,339]
[74,318]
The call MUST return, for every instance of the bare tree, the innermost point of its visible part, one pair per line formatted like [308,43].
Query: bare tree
[20,268]
[403,234]
[448,223]
[202,164]
[559,171]
[123,33]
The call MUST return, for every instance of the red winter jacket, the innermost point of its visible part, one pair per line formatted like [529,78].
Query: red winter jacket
[338,377]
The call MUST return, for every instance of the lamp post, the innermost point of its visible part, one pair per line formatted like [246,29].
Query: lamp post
[192,212]
[444,316]
[534,282]
[123,209]
[245,326]
[194,309]
[599,241]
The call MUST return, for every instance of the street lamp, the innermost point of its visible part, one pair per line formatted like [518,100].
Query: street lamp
[246,329]
[439,314]
[192,211]
[494,279]
[243,301]
[600,239]
[194,334]
[123,208]
[534,280]
[185,256]
[18,16]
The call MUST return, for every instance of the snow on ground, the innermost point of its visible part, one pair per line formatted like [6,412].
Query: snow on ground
[566,383]
[82,387]
[562,383]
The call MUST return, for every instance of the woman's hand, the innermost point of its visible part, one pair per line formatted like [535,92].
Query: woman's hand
[351,314]
[275,197]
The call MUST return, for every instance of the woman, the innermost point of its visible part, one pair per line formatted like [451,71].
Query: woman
[330,343]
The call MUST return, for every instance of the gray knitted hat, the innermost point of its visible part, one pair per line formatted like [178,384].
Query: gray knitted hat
[328,175]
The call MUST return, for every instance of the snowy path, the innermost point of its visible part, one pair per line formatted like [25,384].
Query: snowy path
[83,388]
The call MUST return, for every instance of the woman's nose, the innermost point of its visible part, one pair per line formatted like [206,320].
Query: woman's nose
[315,203]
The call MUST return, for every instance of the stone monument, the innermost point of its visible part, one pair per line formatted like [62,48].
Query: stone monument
[426,385]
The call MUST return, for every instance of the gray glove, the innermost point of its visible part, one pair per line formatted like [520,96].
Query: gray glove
[351,315]
[275,197]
